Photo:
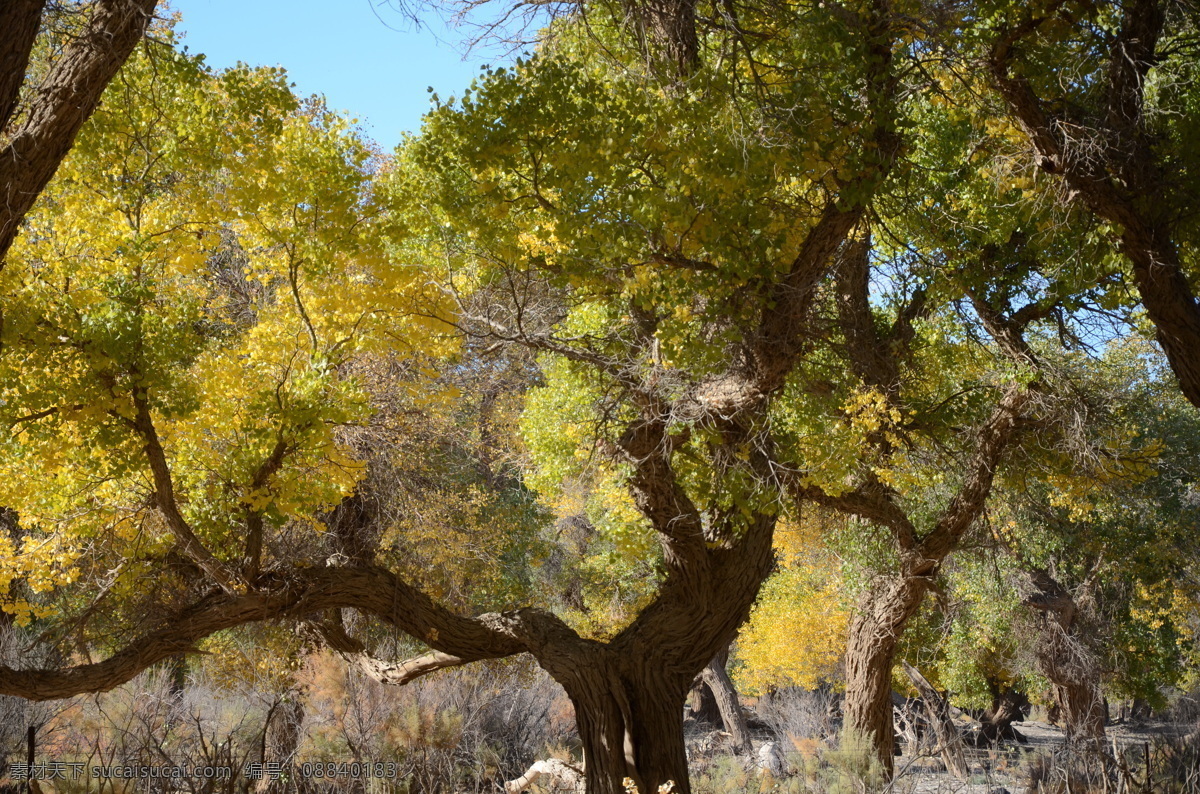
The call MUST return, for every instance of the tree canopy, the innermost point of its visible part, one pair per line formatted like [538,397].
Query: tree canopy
[688,291]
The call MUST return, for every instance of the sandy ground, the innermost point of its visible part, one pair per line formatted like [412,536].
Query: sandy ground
[1006,768]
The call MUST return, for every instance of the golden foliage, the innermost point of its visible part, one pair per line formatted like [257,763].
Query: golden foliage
[797,630]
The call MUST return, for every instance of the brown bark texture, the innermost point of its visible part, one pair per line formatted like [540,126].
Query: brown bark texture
[41,122]
[1071,667]
[937,710]
[702,703]
[716,677]
[870,654]
[20,20]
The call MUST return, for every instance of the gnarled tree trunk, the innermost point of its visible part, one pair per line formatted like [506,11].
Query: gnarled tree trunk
[870,654]
[629,693]
[631,726]
[1070,666]
[886,608]
[1008,706]
[717,679]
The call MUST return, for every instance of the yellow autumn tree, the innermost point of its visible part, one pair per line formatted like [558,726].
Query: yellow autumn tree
[181,312]
[796,635]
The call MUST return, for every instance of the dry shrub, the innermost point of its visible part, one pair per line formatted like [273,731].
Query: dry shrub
[794,713]
[17,714]
[1164,766]
[151,721]
[808,748]
[458,730]
[1081,767]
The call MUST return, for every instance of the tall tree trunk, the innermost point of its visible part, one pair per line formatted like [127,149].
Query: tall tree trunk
[1070,666]
[1075,682]
[719,683]
[870,654]
[281,739]
[629,713]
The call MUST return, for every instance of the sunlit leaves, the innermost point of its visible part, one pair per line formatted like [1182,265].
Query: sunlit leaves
[796,635]
[211,246]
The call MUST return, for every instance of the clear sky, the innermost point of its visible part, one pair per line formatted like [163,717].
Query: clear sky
[363,55]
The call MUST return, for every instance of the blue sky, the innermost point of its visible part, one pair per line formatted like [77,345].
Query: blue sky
[364,57]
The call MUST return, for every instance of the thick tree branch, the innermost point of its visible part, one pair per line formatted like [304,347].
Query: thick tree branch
[62,103]
[991,442]
[721,685]
[1008,332]
[373,590]
[778,341]
[874,502]
[692,615]
[381,670]
[662,499]
[1050,596]
[871,502]
[19,19]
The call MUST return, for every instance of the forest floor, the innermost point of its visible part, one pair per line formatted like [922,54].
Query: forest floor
[1010,767]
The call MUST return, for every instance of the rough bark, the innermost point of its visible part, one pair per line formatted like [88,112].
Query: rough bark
[937,710]
[55,111]
[639,691]
[716,677]
[870,653]
[20,20]
[394,673]
[870,358]
[628,713]
[304,592]
[672,27]
[1072,669]
[886,609]
[702,703]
